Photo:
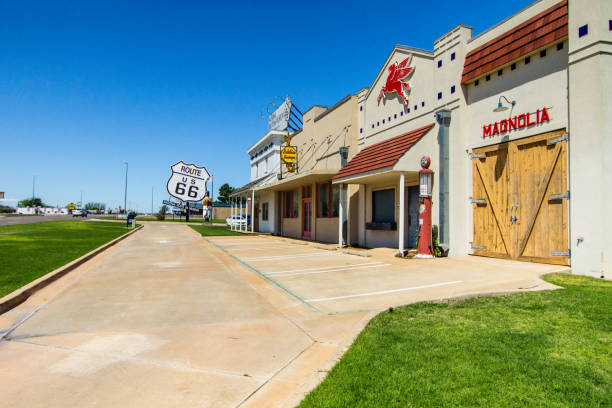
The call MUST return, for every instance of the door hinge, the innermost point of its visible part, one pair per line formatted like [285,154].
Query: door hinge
[476,156]
[476,246]
[559,196]
[559,139]
[568,253]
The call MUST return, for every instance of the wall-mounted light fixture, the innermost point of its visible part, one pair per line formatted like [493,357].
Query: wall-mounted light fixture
[500,107]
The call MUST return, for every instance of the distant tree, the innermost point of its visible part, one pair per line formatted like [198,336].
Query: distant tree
[161,214]
[31,202]
[224,192]
[6,209]
[93,206]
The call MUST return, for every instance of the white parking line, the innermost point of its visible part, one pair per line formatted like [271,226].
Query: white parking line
[319,268]
[330,270]
[384,292]
[270,258]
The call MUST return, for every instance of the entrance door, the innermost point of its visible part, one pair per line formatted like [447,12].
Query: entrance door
[307,218]
[520,200]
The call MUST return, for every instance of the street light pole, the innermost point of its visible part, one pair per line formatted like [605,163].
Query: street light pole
[125,192]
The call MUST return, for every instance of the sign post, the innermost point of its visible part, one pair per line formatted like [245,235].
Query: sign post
[187,183]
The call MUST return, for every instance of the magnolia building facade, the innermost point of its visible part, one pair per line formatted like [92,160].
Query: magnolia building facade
[517,123]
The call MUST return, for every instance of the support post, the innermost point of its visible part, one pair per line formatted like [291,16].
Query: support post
[341,205]
[231,214]
[253,210]
[240,213]
[402,215]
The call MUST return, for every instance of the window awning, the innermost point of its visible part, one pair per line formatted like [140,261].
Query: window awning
[382,155]
[252,185]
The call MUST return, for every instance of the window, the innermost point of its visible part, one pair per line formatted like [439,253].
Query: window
[476,83]
[290,204]
[542,53]
[328,204]
[453,56]
[559,46]
[513,67]
[488,77]
[439,63]
[439,95]
[383,205]
[453,89]
[360,130]
[264,211]
[527,60]
[360,108]
[422,103]
[610,25]
[500,72]
[584,30]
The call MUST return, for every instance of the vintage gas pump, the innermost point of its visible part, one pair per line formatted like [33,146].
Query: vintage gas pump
[425,248]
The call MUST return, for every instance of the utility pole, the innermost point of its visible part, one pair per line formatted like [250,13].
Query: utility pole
[125,193]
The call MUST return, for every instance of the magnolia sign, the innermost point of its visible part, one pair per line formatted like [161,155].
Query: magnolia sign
[517,122]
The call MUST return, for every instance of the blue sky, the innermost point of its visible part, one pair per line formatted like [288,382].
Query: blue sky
[85,86]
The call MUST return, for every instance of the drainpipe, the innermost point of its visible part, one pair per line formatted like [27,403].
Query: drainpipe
[443,117]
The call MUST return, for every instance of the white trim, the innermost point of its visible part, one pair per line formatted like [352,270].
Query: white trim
[331,270]
[384,292]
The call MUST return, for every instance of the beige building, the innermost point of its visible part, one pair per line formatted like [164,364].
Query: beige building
[306,202]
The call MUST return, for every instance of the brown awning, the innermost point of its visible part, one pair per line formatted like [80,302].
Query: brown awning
[382,154]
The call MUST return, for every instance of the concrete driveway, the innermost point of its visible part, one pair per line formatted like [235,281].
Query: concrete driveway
[168,318]
[332,281]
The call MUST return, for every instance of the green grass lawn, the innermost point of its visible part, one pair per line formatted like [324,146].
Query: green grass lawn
[28,251]
[540,349]
[210,231]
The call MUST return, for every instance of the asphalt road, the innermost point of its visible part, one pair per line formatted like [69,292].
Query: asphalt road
[30,219]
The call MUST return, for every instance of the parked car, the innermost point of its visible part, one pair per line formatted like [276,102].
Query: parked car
[79,213]
[236,220]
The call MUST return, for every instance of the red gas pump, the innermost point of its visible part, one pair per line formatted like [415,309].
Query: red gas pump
[425,249]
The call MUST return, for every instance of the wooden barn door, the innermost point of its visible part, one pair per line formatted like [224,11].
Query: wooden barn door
[491,198]
[521,200]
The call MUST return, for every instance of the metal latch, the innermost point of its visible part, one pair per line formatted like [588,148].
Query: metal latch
[562,253]
[476,156]
[559,139]
[559,196]
[478,201]
[476,246]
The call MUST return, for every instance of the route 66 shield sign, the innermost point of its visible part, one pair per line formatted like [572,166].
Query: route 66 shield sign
[187,182]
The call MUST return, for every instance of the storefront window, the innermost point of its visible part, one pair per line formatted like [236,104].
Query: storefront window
[290,200]
[327,203]
[383,206]
[323,200]
[264,211]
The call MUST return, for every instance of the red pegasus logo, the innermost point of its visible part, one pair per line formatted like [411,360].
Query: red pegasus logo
[398,73]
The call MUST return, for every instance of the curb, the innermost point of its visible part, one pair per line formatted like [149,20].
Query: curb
[356,253]
[20,295]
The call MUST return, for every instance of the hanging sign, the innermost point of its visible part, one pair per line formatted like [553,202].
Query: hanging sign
[279,119]
[187,182]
